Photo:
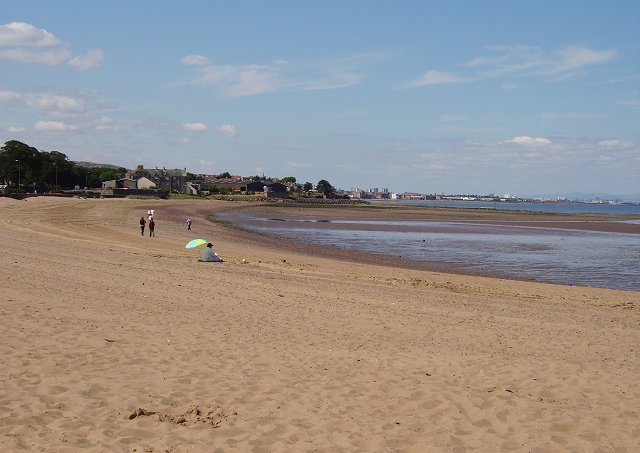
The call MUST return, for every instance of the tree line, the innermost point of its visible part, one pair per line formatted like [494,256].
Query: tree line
[24,168]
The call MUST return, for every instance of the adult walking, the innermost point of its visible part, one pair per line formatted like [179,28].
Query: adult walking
[152,228]
[143,222]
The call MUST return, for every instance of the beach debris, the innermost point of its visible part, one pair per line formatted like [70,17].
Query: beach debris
[140,412]
[107,339]
[194,415]
[244,261]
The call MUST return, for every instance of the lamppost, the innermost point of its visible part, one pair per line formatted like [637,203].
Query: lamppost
[18,174]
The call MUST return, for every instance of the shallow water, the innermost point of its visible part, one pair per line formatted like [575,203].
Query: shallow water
[559,207]
[601,259]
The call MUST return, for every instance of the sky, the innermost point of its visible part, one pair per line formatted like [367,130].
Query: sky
[455,97]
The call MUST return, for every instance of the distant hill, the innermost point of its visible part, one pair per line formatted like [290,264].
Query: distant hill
[94,165]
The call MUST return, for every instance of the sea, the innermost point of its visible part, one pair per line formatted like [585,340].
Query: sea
[560,207]
[539,253]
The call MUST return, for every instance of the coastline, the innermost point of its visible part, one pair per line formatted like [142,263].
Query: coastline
[581,221]
[291,351]
[436,220]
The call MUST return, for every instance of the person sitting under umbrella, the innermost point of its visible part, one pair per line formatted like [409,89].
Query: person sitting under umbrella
[209,255]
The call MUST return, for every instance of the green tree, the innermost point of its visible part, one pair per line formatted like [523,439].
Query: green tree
[224,175]
[20,164]
[288,179]
[107,174]
[194,177]
[56,169]
[325,188]
[307,186]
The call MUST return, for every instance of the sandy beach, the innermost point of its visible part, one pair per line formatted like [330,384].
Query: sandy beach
[115,342]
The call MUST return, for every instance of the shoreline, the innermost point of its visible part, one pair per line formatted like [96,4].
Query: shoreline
[320,218]
[618,223]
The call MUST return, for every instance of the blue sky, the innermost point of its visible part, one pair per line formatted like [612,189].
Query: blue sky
[455,97]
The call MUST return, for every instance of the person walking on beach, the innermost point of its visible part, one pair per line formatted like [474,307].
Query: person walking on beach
[152,228]
[189,223]
[143,222]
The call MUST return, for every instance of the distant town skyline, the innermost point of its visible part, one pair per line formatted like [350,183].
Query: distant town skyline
[417,96]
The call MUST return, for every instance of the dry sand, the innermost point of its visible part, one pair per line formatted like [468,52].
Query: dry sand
[115,342]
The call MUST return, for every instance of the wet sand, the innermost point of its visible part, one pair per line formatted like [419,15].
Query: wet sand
[424,220]
[115,342]
[320,215]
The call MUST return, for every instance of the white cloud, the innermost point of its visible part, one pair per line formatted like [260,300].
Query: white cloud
[23,43]
[529,141]
[615,144]
[278,75]
[195,127]
[329,73]
[54,103]
[90,60]
[15,129]
[195,60]
[529,61]
[571,58]
[609,143]
[22,34]
[242,80]
[435,78]
[105,124]
[520,62]
[511,167]
[510,86]
[227,129]
[49,57]
[7,96]
[54,126]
